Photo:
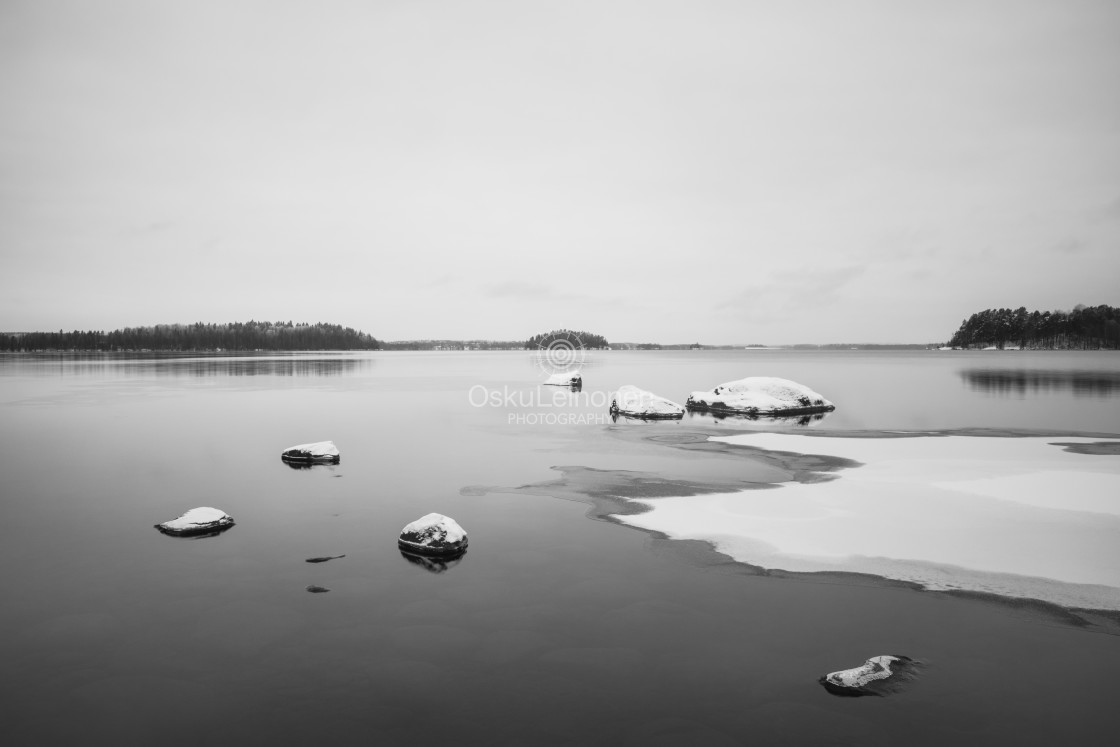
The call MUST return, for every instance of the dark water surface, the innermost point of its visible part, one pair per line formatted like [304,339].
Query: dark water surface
[553,629]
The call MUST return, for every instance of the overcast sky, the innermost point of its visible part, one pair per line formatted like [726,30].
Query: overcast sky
[722,172]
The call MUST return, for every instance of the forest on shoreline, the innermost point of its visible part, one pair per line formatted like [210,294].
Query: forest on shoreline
[242,336]
[263,336]
[1084,328]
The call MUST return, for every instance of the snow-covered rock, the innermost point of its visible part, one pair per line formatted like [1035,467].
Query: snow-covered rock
[870,678]
[633,402]
[321,451]
[202,520]
[566,378]
[434,534]
[760,395]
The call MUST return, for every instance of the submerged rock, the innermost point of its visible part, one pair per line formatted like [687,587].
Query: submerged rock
[321,452]
[324,558]
[568,378]
[198,521]
[638,403]
[877,676]
[434,534]
[760,396]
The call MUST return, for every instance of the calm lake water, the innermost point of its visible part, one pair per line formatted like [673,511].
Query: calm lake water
[553,629]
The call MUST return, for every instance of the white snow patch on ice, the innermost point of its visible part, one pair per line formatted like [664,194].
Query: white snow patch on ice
[1012,516]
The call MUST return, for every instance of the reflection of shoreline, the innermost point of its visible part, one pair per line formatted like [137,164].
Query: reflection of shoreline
[202,364]
[1005,381]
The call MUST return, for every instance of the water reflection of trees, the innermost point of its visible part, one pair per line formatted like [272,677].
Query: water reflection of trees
[205,366]
[1007,381]
[266,367]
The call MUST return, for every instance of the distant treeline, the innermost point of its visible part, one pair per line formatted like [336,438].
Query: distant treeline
[667,346]
[1084,328]
[579,339]
[251,335]
[454,345]
[863,346]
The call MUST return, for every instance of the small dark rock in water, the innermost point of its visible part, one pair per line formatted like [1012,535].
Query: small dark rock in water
[317,589]
[434,563]
[434,534]
[879,675]
[203,521]
[325,558]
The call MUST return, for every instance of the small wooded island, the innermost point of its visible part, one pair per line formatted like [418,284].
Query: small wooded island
[568,338]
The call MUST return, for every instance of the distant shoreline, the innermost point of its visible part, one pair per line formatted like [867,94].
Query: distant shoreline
[391,348]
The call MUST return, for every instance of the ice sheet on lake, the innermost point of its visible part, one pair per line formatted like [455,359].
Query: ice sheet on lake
[1018,517]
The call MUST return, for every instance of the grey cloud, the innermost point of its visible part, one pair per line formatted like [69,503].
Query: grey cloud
[803,288]
[1070,246]
[514,289]
[1107,212]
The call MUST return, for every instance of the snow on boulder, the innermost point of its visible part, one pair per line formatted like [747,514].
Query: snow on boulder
[877,676]
[203,520]
[321,451]
[434,534]
[760,395]
[567,378]
[633,402]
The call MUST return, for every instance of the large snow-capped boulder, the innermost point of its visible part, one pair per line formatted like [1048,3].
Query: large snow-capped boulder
[324,452]
[202,520]
[434,534]
[876,676]
[567,378]
[633,402]
[760,395]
